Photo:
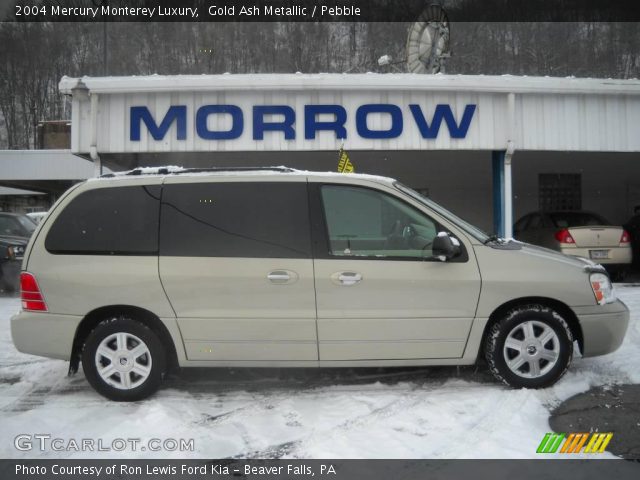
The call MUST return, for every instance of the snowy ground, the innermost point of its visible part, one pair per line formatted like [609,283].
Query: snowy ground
[408,413]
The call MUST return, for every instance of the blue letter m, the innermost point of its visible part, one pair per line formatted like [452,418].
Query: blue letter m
[142,114]
[443,112]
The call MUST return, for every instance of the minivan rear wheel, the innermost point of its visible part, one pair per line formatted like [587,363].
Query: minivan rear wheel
[123,359]
[530,347]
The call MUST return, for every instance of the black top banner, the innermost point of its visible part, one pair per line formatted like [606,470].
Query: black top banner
[317,10]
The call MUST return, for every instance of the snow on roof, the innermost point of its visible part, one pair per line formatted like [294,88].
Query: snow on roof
[270,171]
[349,81]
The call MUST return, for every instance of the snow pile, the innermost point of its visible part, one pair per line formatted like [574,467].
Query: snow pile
[409,413]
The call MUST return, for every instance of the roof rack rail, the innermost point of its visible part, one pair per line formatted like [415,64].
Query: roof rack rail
[167,171]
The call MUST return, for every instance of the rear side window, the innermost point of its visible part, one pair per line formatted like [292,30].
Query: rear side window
[522,224]
[235,219]
[577,219]
[108,221]
[536,222]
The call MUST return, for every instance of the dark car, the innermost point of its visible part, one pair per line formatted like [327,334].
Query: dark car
[15,231]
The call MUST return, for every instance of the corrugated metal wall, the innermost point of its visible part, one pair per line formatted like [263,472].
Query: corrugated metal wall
[549,121]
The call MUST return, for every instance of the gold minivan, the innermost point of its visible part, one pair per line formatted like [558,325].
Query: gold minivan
[136,273]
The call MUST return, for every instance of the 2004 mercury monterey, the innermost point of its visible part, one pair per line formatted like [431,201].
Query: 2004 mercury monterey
[135,273]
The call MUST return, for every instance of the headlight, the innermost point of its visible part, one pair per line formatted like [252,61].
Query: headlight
[602,288]
[14,252]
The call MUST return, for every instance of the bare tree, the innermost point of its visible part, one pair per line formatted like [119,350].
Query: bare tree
[34,56]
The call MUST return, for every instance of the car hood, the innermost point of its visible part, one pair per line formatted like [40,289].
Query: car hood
[13,240]
[516,270]
[547,254]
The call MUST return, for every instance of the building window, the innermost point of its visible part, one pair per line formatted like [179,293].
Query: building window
[559,191]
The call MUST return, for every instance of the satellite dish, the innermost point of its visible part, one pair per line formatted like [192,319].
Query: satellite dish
[428,41]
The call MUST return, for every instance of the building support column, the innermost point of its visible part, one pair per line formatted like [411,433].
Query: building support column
[497,167]
[507,229]
[502,192]
[93,148]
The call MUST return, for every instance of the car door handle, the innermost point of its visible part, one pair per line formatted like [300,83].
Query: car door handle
[346,278]
[281,277]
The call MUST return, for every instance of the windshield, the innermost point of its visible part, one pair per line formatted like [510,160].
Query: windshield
[28,224]
[472,230]
[19,225]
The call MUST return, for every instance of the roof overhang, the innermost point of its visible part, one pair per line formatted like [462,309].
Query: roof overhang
[327,81]
[162,115]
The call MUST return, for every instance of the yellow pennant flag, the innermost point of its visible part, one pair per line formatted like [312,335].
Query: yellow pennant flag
[344,164]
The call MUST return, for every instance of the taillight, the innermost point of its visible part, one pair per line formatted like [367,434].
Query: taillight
[625,238]
[30,293]
[602,288]
[563,236]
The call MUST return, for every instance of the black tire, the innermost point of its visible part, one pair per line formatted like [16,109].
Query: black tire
[496,355]
[155,359]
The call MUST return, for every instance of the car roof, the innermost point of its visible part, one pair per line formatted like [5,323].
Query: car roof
[253,172]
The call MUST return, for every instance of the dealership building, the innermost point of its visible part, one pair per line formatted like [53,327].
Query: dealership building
[490,148]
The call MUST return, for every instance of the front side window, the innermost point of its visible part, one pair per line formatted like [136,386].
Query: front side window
[235,219]
[108,221]
[368,223]
[472,230]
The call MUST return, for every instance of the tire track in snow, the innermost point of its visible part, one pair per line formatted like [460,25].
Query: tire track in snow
[492,419]
[375,414]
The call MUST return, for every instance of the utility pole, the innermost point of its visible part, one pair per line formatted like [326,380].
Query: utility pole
[105,59]
[104,48]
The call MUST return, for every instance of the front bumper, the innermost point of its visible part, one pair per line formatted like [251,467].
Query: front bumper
[603,327]
[44,334]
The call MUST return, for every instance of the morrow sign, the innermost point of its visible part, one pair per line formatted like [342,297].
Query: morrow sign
[316,118]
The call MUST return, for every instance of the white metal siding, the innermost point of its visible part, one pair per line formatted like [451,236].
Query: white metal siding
[550,114]
[578,123]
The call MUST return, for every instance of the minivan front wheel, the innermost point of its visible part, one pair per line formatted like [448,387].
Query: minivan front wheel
[123,359]
[530,347]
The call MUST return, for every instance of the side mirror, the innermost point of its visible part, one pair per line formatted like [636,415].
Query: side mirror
[445,247]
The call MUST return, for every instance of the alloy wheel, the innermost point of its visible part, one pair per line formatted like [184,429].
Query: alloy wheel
[123,361]
[531,349]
